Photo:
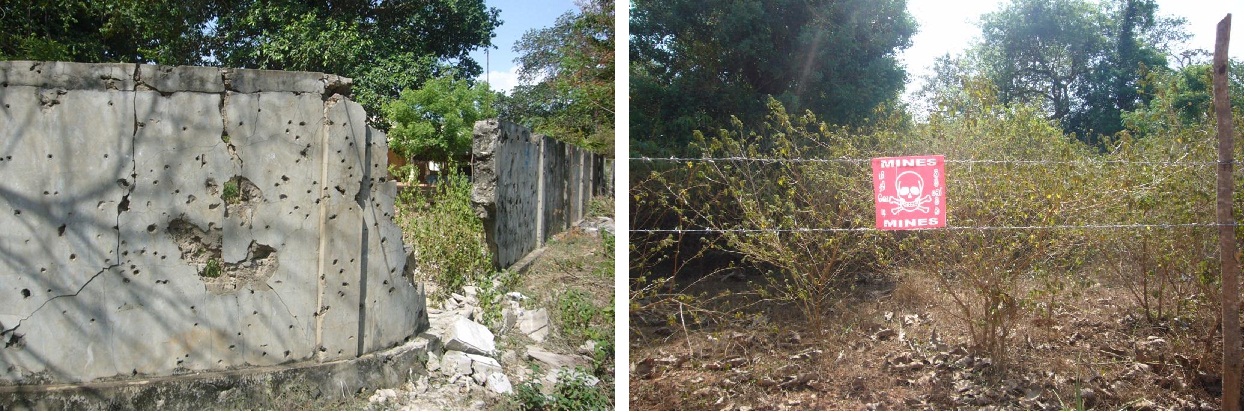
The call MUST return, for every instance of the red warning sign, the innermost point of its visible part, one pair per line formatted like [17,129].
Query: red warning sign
[910,192]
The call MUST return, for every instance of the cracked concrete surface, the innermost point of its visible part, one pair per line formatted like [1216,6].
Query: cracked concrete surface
[165,220]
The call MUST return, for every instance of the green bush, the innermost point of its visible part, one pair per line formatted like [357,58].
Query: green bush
[577,314]
[572,392]
[447,236]
[811,269]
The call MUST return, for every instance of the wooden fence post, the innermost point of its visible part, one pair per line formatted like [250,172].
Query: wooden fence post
[1230,268]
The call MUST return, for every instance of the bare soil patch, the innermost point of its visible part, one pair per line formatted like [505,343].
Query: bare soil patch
[895,343]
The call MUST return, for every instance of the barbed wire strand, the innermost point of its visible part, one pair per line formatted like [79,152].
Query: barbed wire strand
[949,161]
[870,229]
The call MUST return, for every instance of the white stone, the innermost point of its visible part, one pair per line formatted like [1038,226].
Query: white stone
[509,318]
[434,362]
[482,366]
[554,359]
[588,348]
[456,363]
[499,383]
[470,337]
[535,324]
[383,396]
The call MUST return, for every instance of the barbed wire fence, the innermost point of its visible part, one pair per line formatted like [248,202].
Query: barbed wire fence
[862,161]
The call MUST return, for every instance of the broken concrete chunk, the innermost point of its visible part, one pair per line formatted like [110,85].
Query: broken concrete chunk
[499,383]
[470,337]
[510,318]
[434,363]
[588,348]
[554,359]
[456,363]
[535,324]
[482,367]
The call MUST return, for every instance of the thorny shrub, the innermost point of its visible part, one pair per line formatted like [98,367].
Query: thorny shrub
[731,198]
[1035,216]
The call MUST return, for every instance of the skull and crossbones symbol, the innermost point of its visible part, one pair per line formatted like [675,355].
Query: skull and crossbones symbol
[910,187]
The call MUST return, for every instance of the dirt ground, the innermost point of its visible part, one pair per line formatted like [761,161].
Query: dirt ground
[895,343]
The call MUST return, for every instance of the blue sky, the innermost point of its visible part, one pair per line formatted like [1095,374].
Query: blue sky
[518,16]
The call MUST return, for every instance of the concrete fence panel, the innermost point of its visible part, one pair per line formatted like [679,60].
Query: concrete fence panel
[527,187]
[158,220]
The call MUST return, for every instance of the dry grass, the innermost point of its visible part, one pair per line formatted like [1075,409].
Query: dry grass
[1088,351]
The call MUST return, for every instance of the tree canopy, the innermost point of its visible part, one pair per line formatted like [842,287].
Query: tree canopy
[385,46]
[1083,63]
[695,64]
[568,75]
[434,122]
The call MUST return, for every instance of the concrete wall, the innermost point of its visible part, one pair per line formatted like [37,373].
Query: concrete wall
[163,220]
[528,187]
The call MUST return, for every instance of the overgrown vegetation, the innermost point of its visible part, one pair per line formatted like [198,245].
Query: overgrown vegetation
[231,192]
[211,269]
[434,121]
[582,319]
[574,391]
[1036,216]
[573,280]
[695,65]
[447,236]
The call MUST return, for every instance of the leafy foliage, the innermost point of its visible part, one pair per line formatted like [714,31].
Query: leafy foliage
[447,236]
[568,71]
[231,192]
[1183,99]
[110,31]
[386,47]
[694,64]
[1084,64]
[577,313]
[212,269]
[572,392]
[434,122]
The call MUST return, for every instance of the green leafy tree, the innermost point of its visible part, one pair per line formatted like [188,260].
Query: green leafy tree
[568,71]
[694,64]
[434,122]
[385,46]
[1182,99]
[105,31]
[1081,62]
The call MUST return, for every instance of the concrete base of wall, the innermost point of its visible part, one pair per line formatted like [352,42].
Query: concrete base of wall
[289,386]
